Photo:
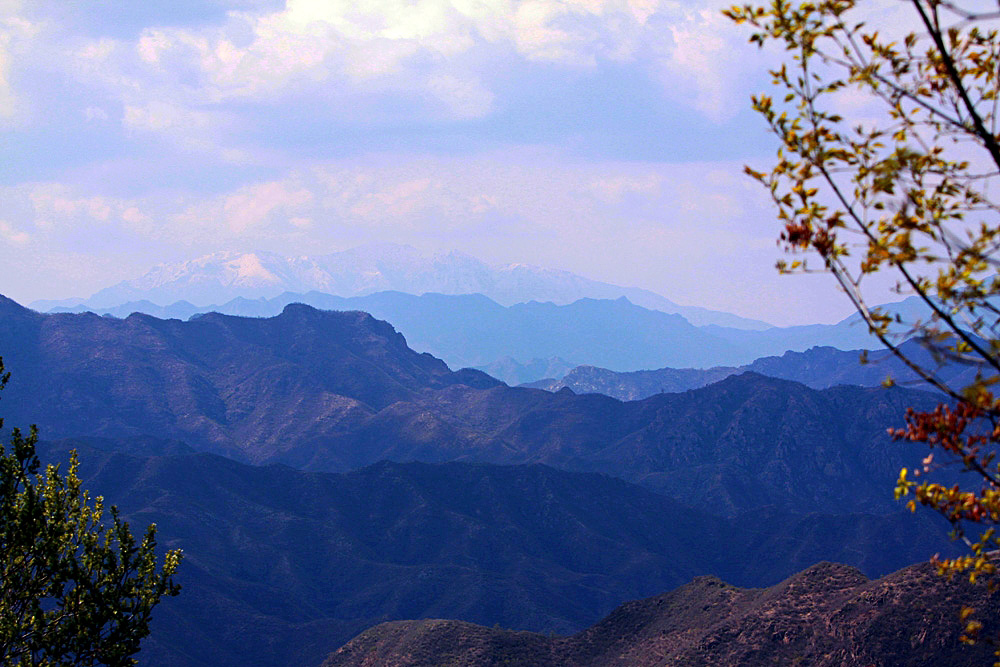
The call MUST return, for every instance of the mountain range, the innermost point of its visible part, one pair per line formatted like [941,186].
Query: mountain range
[333,391]
[222,276]
[323,477]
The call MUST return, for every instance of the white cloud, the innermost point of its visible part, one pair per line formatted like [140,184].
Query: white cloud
[134,216]
[612,190]
[352,60]
[237,88]
[12,235]
[189,129]
[53,202]
[151,44]
[580,32]
[447,49]
[536,36]
[254,205]
[466,98]
[260,210]
[162,116]
[709,65]
[418,194]
[453,200]
[65,216]
[97,51]
[7,102]
[18,37]
[259,56]
[399,200]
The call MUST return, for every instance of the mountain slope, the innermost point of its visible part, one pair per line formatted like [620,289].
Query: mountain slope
[826,616]
[244,387]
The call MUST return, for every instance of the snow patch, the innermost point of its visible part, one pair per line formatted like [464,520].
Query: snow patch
[250,271]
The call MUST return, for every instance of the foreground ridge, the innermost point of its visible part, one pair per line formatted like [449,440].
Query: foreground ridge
[828,614]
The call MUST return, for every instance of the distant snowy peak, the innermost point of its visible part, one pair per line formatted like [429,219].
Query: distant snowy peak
[223,276]
[247,270]
[228,269]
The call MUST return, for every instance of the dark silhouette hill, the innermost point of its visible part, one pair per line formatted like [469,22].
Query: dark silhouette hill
[282,566]
[828,615]
[333,391]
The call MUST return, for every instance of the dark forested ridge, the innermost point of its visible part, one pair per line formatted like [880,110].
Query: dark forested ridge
[283,566]
[334,391]
[828,615]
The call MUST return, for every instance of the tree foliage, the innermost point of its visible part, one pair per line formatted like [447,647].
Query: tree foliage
[74,588]
[888,162]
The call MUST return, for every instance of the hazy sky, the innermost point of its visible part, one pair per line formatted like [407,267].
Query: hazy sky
[605,138]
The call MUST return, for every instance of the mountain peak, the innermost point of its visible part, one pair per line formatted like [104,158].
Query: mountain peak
[10,307]
[298,308]
[249,270]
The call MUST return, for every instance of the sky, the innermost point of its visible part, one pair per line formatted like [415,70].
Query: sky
[601,137]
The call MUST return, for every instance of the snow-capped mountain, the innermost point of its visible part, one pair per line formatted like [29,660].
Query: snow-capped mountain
[222,276]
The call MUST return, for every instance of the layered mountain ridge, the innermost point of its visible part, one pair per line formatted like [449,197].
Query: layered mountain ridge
[338,390]
[819,367]
[510,342]
[748,479]
[283,566]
